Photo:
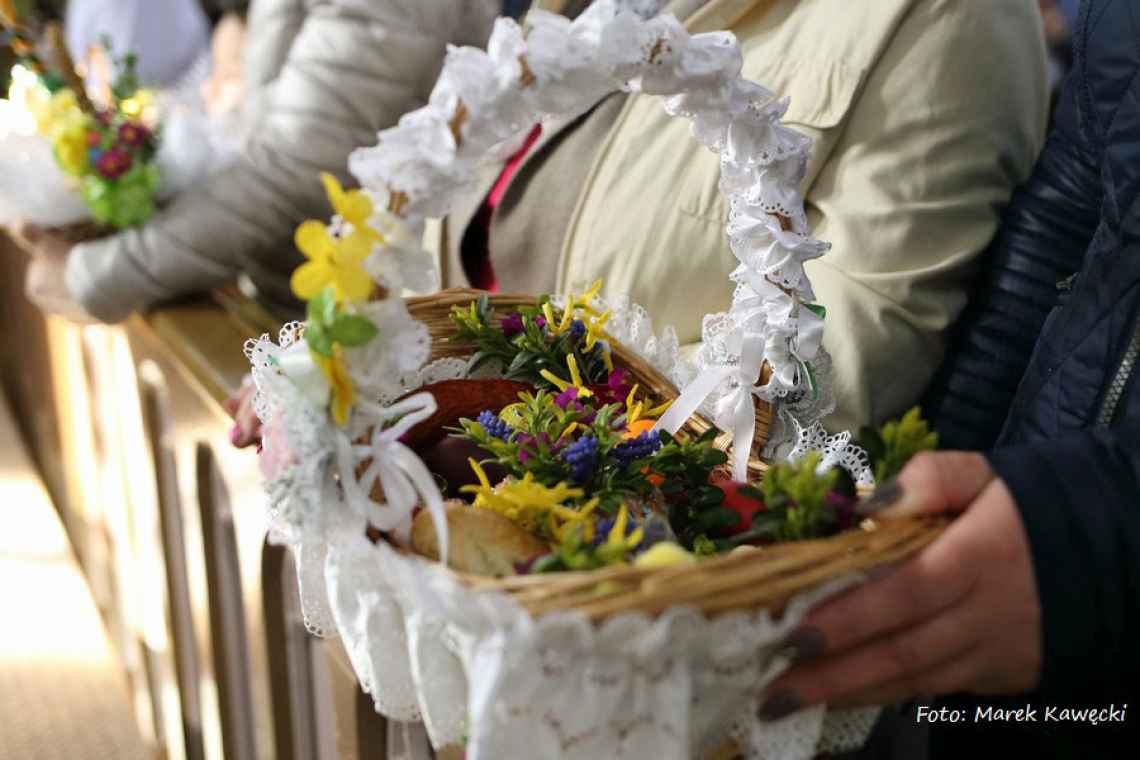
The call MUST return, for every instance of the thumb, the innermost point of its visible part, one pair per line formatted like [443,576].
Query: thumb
[931,483]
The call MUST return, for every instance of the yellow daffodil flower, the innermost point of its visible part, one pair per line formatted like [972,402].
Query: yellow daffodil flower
[355,208]
[71,151]
[340,383]
[529,503]
[337,261]
[329,264]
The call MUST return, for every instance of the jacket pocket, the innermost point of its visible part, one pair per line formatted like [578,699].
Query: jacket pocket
[820,95]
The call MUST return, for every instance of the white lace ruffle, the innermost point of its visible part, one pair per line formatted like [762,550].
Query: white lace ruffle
[837,451]
[477,665]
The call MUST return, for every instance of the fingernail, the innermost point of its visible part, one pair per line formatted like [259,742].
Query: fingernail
[805,644]
[779,705]
[236,435]
[886,495]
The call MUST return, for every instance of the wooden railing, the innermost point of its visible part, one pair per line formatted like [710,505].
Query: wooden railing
[127,426]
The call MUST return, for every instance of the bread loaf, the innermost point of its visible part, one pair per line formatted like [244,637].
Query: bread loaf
[479,542]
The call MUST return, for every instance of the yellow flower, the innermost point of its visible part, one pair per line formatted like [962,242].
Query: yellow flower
[575,378]
[71,150]
[60,113]
[617,541]
[636,410]
[557,327]
[583,301]
[337,261]
[664,554]
[340,383]
[531,504]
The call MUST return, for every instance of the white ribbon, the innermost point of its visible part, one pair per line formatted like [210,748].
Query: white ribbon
[736,411]
[405,479]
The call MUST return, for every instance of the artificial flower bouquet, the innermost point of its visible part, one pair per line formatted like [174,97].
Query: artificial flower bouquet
[101,158]
[105,151]
[517,511]
[109,152]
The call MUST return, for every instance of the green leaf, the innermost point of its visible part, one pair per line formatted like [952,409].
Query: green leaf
[352,330]
[319,307]
[318,339]
[818,309]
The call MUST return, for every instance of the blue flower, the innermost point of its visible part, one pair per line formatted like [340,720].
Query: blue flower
[582,456]
[577,329]
[494,426]
[642,446]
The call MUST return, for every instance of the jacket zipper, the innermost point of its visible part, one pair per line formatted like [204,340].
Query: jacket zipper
[1124,372]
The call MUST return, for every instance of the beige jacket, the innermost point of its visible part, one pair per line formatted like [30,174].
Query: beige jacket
[323,77]
[925,114]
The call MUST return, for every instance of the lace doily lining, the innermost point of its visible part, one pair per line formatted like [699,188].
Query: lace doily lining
[477,665]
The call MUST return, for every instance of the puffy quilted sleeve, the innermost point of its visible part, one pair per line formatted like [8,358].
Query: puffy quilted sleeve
[353,67]
[1042,240]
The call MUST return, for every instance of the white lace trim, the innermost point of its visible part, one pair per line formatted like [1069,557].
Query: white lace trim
[477,665]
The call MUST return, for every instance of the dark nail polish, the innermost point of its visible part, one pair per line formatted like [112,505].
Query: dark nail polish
[886,495]
[805,644]
[779,705]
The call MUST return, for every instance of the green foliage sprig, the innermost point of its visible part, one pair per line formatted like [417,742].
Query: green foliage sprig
[893,445]
[534,348]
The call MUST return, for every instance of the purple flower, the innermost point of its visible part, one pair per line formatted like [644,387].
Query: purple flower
[114,163]
[512,324]
[844,507]
[540,321]
[133,134]
[616,388]
[495,427]
[568,397]
[582,456]
[525,440]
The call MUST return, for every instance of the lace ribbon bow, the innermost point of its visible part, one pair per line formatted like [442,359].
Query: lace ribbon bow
[735,411]
[405,479]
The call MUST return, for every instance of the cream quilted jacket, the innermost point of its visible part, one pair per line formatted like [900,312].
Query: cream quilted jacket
[324,76]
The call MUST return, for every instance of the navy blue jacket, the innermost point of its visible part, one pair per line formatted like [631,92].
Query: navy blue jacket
[1054,338]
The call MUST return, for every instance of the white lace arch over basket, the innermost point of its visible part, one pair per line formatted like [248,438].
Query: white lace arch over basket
[475,665]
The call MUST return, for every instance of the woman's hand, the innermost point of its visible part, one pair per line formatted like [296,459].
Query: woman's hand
[963,615]
[44,281]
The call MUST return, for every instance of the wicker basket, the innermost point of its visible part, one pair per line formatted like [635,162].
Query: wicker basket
[744,579]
